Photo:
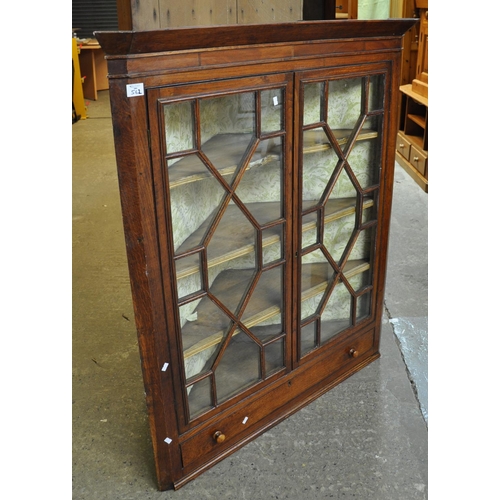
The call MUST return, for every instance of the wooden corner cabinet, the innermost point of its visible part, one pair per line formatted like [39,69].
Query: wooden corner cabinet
[255,167]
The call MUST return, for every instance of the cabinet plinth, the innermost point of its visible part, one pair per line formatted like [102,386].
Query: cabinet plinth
[255,168]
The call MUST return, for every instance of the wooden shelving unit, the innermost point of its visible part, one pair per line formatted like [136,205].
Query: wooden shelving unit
[412,142]
[412,145]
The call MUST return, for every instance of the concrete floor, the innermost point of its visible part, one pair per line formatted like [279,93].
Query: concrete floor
[365,439]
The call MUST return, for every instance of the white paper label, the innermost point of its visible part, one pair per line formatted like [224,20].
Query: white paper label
[135,89]
[164,367]
[167,440]
[275,100]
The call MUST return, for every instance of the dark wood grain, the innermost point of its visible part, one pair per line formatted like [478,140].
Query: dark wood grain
[143,42]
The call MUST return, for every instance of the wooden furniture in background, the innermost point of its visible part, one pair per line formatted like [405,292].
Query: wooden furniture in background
[412,147]
[421,81]
[78,101]
[255,167]
[412,143]
[93,68]
[406,9]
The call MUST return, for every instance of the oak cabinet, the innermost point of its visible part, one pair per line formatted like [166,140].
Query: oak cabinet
[255,167]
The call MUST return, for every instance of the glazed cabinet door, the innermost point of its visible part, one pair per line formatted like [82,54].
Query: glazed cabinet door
[341,132]
[222,173]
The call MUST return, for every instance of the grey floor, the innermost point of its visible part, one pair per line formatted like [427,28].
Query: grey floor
[365,439]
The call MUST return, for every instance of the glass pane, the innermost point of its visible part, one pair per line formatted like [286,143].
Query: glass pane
[261,186]
[311,223]
[239,367]
[369,210]
[189,226]
[272,110]
[344,187]
[316,273]
[337,313]
[231,286]
[358,273]
[199,397]
[362,248]
[227,128]
[274,356]
[203,327]
[363,306]
[265,307]
[232,244]
[179,126]
[308,338]
[188,274]
[345,98]
[365,159]
[313,102]
[319,162]
[337,234]
[376,93]
[272,244]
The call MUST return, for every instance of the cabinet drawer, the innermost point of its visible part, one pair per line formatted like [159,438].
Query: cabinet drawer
[227,431]
[418,158]
[403,146]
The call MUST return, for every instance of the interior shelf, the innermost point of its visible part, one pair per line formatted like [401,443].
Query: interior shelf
[315,140]
[261,308]
[419,120]
[225,247]
[226,150]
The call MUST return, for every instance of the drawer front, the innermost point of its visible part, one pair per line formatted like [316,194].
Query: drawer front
[418,158]
[250,417]
[403,146]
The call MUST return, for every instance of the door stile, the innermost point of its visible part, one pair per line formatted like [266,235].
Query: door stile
[162,204]
[296,196]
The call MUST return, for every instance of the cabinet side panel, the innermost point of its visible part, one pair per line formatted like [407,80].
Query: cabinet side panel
[134,175]
[387,181]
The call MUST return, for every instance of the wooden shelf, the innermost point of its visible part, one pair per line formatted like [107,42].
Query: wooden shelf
[263,307]
[228,247]
[225,152]
[419,120]
[408,90]
[316,140]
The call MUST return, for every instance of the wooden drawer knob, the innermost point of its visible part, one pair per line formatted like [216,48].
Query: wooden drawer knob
[402,146]
[416,158]
[353,353]
[219,437]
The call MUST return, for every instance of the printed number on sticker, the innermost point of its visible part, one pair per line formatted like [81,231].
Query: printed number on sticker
[135,89]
